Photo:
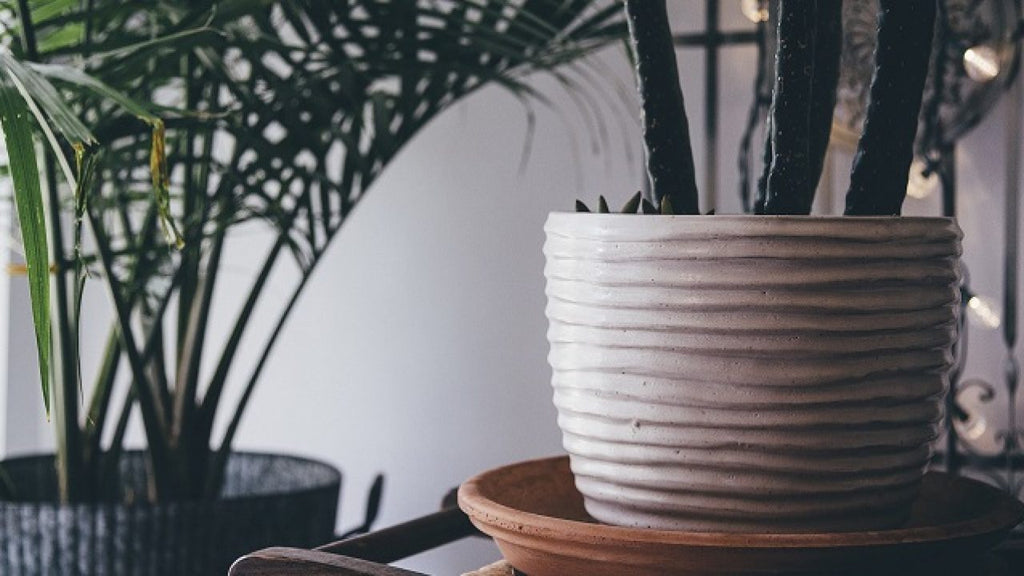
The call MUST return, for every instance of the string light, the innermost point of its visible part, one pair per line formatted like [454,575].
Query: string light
[755,10]
[983,311]
[972,422]
[981,63]
[922,183]
[973,428]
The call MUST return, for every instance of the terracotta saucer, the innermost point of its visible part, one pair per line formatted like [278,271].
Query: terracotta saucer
[536,515]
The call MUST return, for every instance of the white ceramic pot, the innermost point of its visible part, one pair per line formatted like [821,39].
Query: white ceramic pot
[750,373]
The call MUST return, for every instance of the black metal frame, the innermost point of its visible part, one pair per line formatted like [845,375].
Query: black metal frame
[366,555]
[1005,468]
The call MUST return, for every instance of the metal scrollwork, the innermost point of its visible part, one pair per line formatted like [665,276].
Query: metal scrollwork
[975,57]
[954,101]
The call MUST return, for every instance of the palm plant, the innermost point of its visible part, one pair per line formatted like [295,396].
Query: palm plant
[211,115]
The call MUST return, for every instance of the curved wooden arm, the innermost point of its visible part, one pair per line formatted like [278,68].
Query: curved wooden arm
[406,539]
[296,562]
[360,556]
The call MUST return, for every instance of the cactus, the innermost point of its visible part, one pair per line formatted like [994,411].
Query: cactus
[666,129]
[878,183]
[803,101]
[807,73]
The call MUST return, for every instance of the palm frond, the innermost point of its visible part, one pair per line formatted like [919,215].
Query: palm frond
[285,112]
[28,199]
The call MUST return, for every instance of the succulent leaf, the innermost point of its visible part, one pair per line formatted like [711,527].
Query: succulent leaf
[633,204]
[666,206]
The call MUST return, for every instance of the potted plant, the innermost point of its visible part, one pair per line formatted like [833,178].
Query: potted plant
[776,372]
[166,126]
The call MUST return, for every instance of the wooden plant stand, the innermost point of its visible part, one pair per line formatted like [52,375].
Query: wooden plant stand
[370,554]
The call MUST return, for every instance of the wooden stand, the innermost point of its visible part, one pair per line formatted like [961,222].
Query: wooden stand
[370,554]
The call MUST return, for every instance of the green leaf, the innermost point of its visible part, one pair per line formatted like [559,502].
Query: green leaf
[162,185]
[46,96]
[666,206]
[61,116]
[634,203]
[85,163]
[28,198]
[157,155]
[74,76]
[67,35]
[365,76]
[46,10]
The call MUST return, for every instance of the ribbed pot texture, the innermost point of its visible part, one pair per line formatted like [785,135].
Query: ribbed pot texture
[750,373]
[267,500]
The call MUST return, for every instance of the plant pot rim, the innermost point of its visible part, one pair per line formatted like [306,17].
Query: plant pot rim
[748,218]
[332,479]
[809,230]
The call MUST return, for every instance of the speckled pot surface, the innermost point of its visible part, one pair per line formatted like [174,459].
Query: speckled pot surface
[267,500]
[750,373]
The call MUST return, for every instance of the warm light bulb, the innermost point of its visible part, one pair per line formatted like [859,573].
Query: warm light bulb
[981,63]
[977,428]
[755,10]
[984,312]
[973,428]
[921,183]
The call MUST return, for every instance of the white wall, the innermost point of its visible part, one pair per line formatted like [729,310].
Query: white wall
[23,425]
[419,348]
[5,287]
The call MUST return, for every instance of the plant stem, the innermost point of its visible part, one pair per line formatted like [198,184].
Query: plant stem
[99,407]
[191,441]
[28,31]
[149,399]
[105,465]
[666,129]
[208,409]
[192,252]
[878,183]
[107,470]
[187,382]
[216,471]
[87,34]
[156,363]
[789,189]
